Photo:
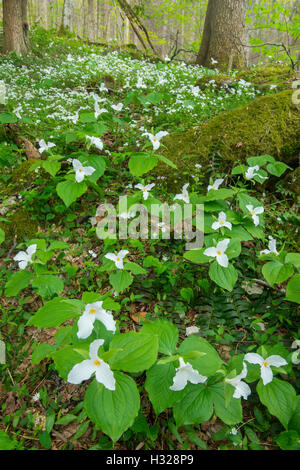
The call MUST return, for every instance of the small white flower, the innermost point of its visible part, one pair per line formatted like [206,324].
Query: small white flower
[167,59]
[198,165]
[215,185]
[241,388]
[81,171]
[190,330]
[234,431]
[184,195]
[24,258]
[272,247]
[213,61]
[118,258]
[45,146]
[127,215]
[99,111]
[221,222]
[184,374]
[117,107]
[83,370]
[254,212]
[265,365]
[103,87]
[92,253]
[36,396]
[251,172]
[145,189]
[95,141]
[91,313]
[156,138]
[218,252]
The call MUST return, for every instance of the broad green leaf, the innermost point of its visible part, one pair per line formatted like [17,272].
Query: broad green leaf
[69,191]
[141,163]
[97,162]
[260,160]
[294,422]
[55,312]
[48,285]
[63,336]
[231,414]
[293,289]
[41,352]
[293,258]
[275,272]
[138,351]
[17,282]
[120,280]
[288,440]
[113,411]
[196,406]
[277,168]
[224,277]
[166,332]
[197,256]
[5,442]
[8,118]
[215,195]
[208,364]
[66,358]
[52,167]
[134,268]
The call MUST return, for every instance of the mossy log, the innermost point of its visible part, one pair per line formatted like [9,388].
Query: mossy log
[269,125]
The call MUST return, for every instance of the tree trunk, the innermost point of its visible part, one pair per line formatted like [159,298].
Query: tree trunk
[15,26]
[68,15]
[43,13]
[223,35]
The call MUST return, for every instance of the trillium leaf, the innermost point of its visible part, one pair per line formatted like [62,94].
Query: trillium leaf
[69,191]
[141,163]
[289,440]
[66,358]
[277,168]
[55,312]
[196,406]
[8,118]
[2,236]
[224,277]
[17,282]
[138,351]
[166,161]
[215,195]
[293,258]
[293,289]
[5,442]
[280,399]
[206,365]
[97,162]
[197,256]
[275,272]
[52,167]
[261,160]
[113,411]
[120,280]
[230,414]
[41,352]
[166,332]
[48,285]
[134,268]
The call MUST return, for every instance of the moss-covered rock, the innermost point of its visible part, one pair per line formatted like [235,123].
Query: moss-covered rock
[268,125]
[21,178]
[20,225]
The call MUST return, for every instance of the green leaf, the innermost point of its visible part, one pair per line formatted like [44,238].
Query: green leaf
[45,439]
[42,351]
[141,163]
[293,289]
[97,162]
[17,282]
[47,285]
[166,332]
[137,352]
[66,358]
[134,268]
[196,407]
[69,191]
[5,442]
[8,118]
[66,419]
[2,236]
[289,440]
[275,272]
[55,312]
[280,399]
[113,411]
[51,167]
[196,256]
[63,336]
[260,160]
[277,168]
[224,277]
[209,363]
[231,414]
[158,382]
[166,161]
[120,280]
[215,195]
[293,258]
[294,422]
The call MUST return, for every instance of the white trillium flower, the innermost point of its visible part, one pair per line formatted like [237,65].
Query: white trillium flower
[24,257]
[95,141]
[45,146]
[83,370]
[272,247]
[91,313]
[117,107]
[156,138]
[241,388]
[190,330]
[215,185]
[103,87]
[295,359]
[265,365]
[184,374]
[221,222]
[145,189]
[254,212]
[213,61]
[218,252]
[118,258]
[99,111]
[81,171]
[250,173]
[184,195]
[36,396]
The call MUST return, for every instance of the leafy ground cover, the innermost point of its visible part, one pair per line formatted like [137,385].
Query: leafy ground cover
[153,315]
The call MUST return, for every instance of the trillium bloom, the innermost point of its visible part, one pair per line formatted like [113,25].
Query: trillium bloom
[190,330]
[218,252]
[184,374]
[184,195]
[272,247]
[84,370]
[99,111]
[45,146]
[221,222]
[95,141]
[251,172]
[81,171]
[265,365]
[156,138]
[296,353]
[24,257]
[118,258]
[117,107]
[254,212]
[91,313]
[145,189]
[241,388]
[215,185]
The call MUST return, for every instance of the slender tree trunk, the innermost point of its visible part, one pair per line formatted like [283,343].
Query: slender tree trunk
[67,15]
[15,26]
[223,34]
[43,12]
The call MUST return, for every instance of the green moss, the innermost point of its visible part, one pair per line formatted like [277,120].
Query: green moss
[268,125]
[19,225]
[21,179]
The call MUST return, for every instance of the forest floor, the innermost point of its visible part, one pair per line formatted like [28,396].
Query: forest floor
[61,93]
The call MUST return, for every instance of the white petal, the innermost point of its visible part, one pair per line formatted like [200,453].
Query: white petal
[85,325]
[21,256]
[242,390]
[123,253]
[222,245]
[222,260]
[228,225]
[266,374]
[31,249]
[88,170]
[179,381]
[107,319]
[111,256]
[249,207]
[139,186]
[76,164]
[105,376]
[212,251]
[23,264]
[216,225]
[161,134]
[259,210]
[148,187]
[194,377]
[81,371]
[254,358]
[79,176]
[276,361]
[94,346]
[255,220]
[119,264]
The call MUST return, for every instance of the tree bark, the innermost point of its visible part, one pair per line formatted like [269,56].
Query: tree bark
[68,15]
[15,26]
[223,35]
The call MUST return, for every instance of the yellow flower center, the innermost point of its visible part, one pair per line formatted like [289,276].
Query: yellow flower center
[154,140]
[97,363]
[92,311]
[214,188]
[266,364]
[118,259]
[144,190]
[222,222]
[80,170]
[219,252]
[252,212]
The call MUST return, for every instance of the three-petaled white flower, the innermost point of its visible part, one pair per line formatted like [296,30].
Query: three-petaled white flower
[45,146]
[215,185]
[95,141]
[91,313]
[272,247]
[83,370]
[81,171]
[265,365]
[221,222]
[218,252]
[250,173]
[99,111]
[118,258]
[24,257]
[254,212]
[145,189]
[241,388]
[184,374]
[156,138]
[117,107]
[184,195]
